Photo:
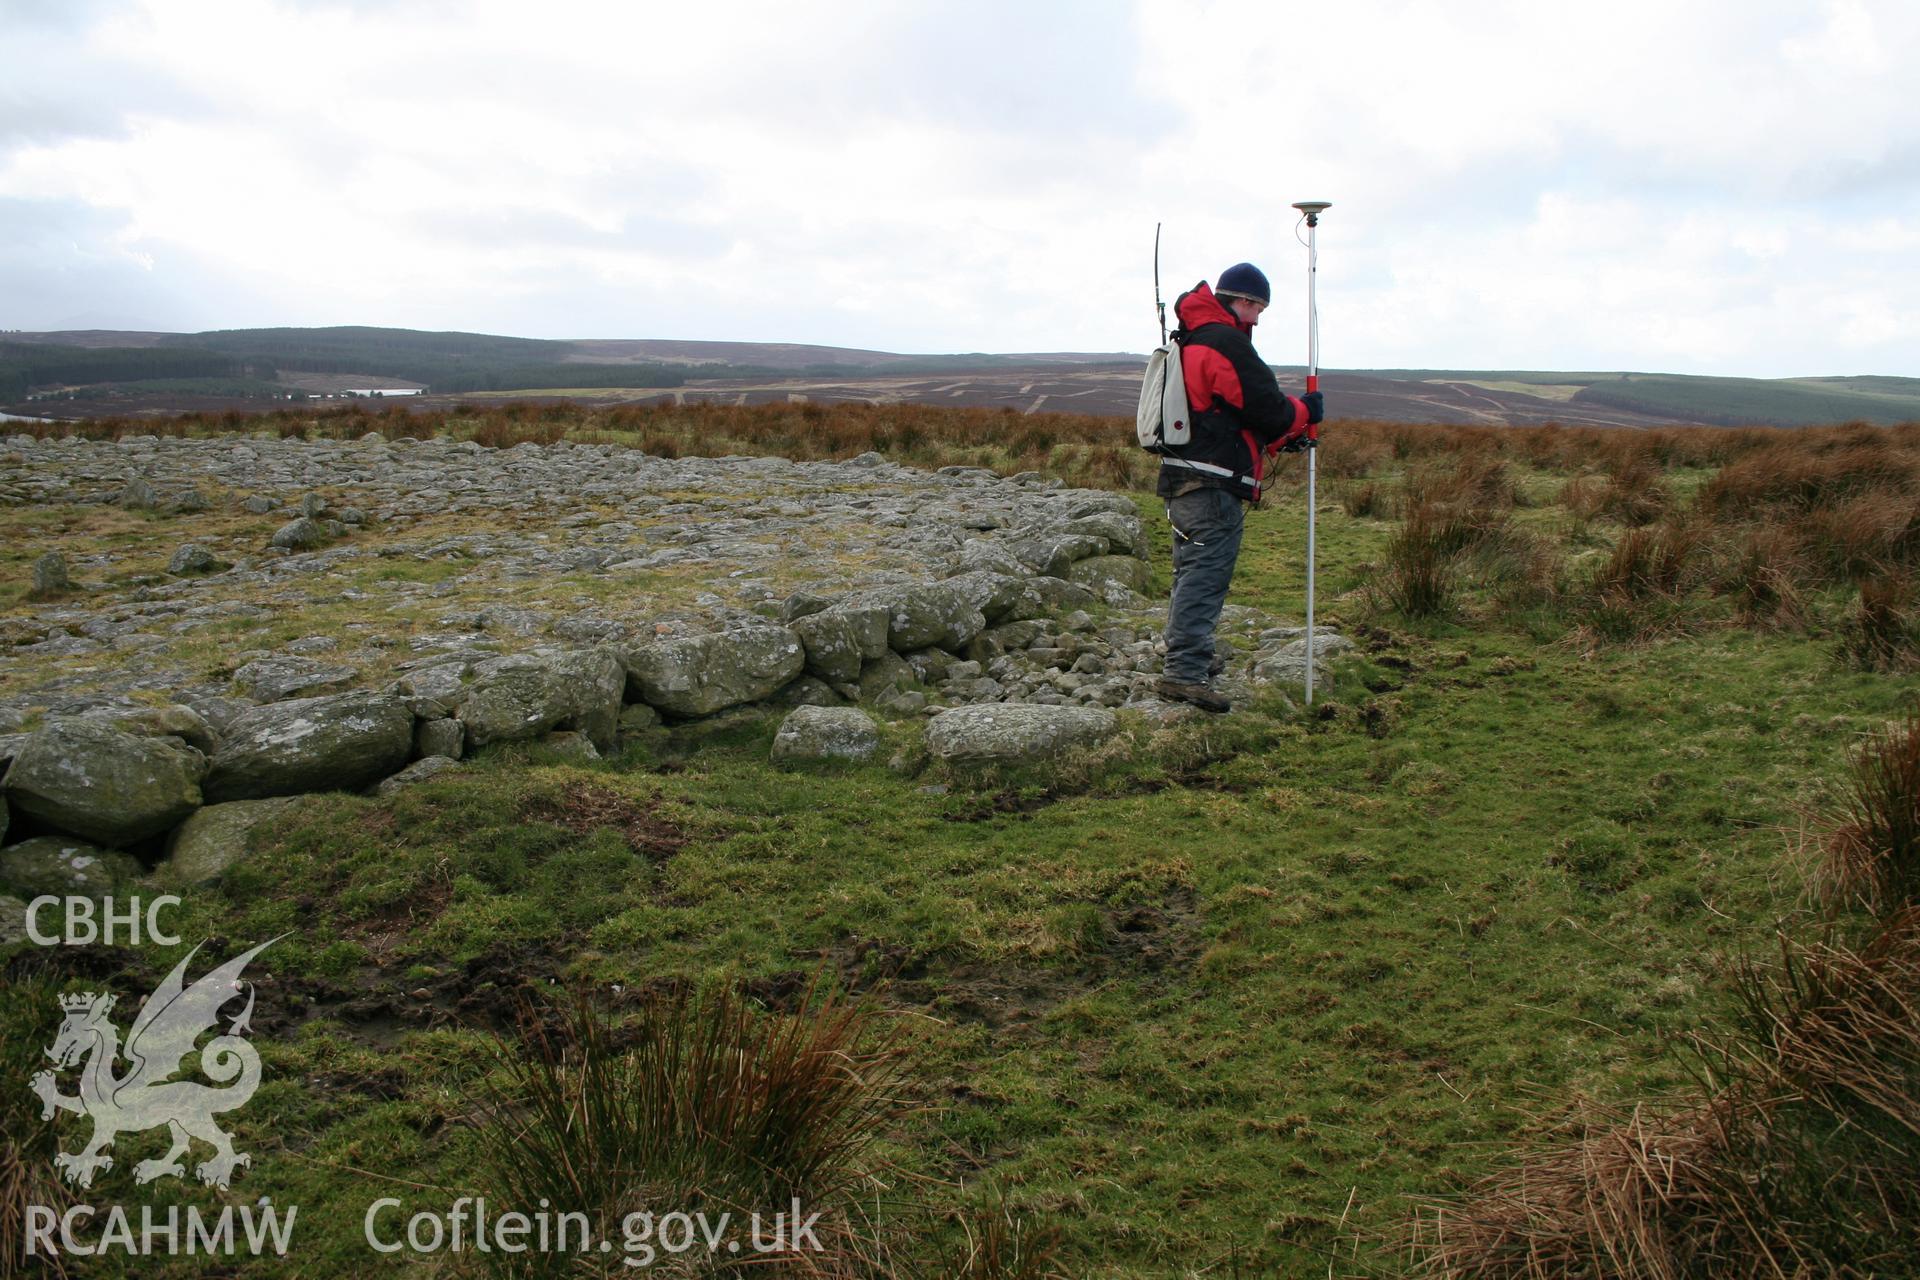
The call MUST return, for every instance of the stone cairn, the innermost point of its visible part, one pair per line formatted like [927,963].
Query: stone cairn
[1006,613]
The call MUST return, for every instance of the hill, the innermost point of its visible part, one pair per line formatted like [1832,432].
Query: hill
[96,373]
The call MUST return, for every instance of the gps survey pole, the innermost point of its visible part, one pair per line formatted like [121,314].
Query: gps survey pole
[1311,210]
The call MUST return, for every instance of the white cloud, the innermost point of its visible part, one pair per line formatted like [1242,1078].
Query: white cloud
[1706,186]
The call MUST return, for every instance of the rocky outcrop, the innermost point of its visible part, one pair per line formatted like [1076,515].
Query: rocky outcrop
[1015,733]
[340,742]
[827,733]
[110,787]
[699,675]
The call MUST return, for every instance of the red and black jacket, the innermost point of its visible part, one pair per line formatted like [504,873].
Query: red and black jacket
[1240,415]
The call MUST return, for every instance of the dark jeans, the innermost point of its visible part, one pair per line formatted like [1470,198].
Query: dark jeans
[1207,524]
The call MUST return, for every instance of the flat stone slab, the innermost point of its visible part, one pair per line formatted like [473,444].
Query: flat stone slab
[1015,732]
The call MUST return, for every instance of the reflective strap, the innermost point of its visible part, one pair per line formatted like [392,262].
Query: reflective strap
[1209,467]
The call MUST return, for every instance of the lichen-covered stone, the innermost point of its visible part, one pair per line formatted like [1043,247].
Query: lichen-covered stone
[838,640]
[194,559]
[923,613]
[528,696]
[50,576]
[340,742]
[277,679]
[439,738]
[1015,732]
[103,784]
[429,767]
[302,534]
[827,733]
[66,868]
[13,920]
[1289,664]
[1096,573]
[699,675]
[216,839]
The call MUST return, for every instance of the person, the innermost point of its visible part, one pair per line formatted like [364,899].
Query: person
[1240,418]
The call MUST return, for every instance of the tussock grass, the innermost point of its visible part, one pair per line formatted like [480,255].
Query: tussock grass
[1869,855]
[697,1103]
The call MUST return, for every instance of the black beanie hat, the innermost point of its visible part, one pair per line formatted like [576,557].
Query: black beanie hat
[1244,280]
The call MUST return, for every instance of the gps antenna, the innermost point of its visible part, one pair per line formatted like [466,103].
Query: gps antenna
[1311,210]
[1158,305]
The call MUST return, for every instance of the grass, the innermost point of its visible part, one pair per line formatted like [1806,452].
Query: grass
[1229,997]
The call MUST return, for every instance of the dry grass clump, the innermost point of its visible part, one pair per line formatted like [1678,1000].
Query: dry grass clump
[29,1009]
[1869,854]
[1883,631]
[1760,575]
[697,1103]
[1370,500]
[1634,494]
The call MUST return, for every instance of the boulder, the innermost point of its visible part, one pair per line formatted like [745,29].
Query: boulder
[528,696]
[827,733]
[171,721]
[435,691]
[1015,732]
[439,739]
[302,534]
[571,745]
[922,613]
[994,594]
[1044,596]
[807,691]
[1097,573]
[699,675]
[1122,532]
[138,495]
[887,674]
[340,742]
[65,868]
[194,558]
[992,556]
[1006,638]
[50,576]
[1289,665]
[277,679]
[1052,553]
[101,783]
[218,837]
[13,920]
[838,640]
[430,767]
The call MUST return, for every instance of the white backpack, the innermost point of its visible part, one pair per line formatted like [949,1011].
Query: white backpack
[1163,418]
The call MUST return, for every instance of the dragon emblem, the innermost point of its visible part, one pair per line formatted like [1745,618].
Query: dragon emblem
[164,1031]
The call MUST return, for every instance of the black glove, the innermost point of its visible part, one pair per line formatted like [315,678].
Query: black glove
[1316,407]
[1296,444]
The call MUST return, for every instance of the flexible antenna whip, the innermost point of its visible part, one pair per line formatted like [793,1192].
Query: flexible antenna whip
[1158,305]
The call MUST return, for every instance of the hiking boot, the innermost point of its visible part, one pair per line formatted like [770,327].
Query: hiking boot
[1199,695]
[1215,667]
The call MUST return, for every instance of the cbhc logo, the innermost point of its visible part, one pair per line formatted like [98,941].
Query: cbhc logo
[87,921]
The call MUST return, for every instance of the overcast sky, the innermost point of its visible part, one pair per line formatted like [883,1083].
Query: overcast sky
[1698,186]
